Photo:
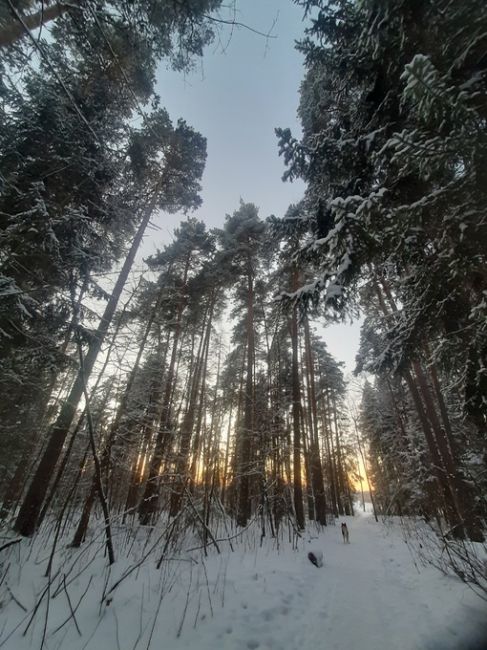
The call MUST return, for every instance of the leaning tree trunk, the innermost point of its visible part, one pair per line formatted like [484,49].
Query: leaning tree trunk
[21,24]
[466,493]
[27,518]
[469,526]
[445,466]
[82,528]
[38,414]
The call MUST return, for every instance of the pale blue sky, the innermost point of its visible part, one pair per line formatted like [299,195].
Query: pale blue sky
[243,88]
[235,98]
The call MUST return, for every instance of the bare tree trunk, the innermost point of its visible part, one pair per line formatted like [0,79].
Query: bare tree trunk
[15,30]
[364,461]
[197,442]
[27,518]
[151,418]
[82,528]
[444,465]
[334,460]
[296,411]
[36,420]
[331,469]
[316,468]
[244,465]
[187,425]
[99,482]
[227,454]
[361,484]
[148,504]
[341,473]
[307,464]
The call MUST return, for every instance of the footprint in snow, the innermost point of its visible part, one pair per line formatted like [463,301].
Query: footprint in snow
[252,645]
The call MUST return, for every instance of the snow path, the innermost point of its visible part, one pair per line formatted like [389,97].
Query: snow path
[368,595]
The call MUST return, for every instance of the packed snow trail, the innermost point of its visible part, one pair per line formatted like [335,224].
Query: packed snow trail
[368,595]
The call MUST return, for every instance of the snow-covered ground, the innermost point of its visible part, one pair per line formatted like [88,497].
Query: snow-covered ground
[370,594]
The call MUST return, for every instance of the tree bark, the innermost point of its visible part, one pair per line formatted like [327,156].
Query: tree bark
[316,467]
[15,30]
[340,471]
[362,455]
[187,425]
[82,528]
[148,504]
[296,412]
[244,505]
[27,518]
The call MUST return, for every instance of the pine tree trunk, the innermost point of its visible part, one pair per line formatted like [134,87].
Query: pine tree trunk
[197,443]
[450,469]
[437,468]
[151,418]
[82,528]
[334,461]
[466,495]
[307,465]
[16,483]
[235,460]
[331,471]
[362,455]
[187,425]
[227,455]
[444,465]
[36,419]
[296,412]
[341,472]
[244,505]
[149,502]
[27,518]
[316,467]
[15,30]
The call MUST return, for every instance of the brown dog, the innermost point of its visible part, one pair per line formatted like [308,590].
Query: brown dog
[345,535]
